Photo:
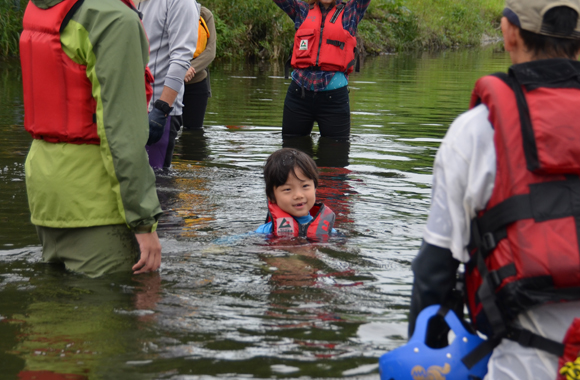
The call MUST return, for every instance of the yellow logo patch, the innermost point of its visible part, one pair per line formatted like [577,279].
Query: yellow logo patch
[432,373]
[571,370]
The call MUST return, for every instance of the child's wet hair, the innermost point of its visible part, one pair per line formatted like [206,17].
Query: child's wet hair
[284,162]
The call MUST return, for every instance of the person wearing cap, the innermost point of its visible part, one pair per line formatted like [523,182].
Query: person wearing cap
[505,197]
[323,56]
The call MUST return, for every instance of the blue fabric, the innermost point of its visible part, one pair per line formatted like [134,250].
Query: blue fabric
[338,81]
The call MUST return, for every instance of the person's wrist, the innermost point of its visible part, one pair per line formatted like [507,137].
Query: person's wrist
[145,229]
[163,106]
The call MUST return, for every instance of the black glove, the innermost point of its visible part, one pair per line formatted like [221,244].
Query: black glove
[435,272]
[157,121]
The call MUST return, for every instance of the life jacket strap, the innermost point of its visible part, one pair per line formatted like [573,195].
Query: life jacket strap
[338,44]
[70,15]
[337,12]
[545,201]
[523,337]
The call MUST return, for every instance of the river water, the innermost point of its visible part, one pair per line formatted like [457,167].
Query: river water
[230,305]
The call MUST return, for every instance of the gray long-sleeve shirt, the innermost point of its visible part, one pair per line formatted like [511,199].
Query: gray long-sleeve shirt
[172,40]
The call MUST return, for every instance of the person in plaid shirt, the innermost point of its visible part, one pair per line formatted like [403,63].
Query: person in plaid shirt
[318,91]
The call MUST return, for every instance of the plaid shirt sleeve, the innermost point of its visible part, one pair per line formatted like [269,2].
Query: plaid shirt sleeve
[296,9]
[354,11]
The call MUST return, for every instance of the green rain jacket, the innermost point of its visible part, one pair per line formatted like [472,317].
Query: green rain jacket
[72,185]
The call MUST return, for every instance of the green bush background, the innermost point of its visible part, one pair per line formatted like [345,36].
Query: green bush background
[259,29]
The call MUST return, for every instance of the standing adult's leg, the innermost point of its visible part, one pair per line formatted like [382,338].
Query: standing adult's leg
[94,251]
[194,104]
[333,113]
[298,118]
[175,126]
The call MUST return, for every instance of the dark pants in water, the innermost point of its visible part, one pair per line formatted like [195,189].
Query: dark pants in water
[330,109]
[194,104]
[161,153]
[94,251]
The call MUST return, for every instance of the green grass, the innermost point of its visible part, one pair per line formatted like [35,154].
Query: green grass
[10,25]
[259,29]
[446,23]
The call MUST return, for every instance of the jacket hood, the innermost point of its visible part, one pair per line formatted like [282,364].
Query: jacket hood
[45,4]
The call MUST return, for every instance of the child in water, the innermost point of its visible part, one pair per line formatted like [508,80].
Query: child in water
[291,180]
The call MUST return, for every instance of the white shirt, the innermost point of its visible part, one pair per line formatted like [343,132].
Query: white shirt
[463,181]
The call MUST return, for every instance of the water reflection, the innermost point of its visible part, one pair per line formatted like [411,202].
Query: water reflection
[229,304]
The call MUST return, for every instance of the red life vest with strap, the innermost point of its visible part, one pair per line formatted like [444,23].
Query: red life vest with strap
[525,244]
[319,228]
[58,102]
[324,44]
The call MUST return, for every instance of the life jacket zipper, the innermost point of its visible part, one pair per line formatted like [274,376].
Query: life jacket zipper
[321,33]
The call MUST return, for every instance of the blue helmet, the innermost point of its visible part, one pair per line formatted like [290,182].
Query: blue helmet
[417,361]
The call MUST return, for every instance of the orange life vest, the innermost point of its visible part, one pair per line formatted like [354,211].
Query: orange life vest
[324,44]
[202,37]
[58,102]
[319,228]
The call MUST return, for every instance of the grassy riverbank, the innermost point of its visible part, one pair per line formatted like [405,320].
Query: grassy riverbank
[259,29]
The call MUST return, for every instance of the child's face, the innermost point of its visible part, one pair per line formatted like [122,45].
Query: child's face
[297,195]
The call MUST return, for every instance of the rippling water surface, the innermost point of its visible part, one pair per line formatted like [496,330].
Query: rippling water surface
[230,305]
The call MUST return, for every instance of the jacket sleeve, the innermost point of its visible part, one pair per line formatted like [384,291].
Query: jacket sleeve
[183,18]
[115,51]
[435,273]
[208,55]
[293,8]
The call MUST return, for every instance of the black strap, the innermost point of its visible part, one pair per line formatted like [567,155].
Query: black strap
[336,43]
[339,9]
[545,201]
[70,15]
[357,57]
[529,139]
[287,67]
[480,352]
[527,338]
[524,337]
[486,294]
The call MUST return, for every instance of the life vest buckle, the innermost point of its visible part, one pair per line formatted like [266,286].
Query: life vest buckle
[488,241]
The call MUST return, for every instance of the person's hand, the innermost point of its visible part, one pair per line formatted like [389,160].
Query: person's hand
[190,74]
[157,120]
[150,248]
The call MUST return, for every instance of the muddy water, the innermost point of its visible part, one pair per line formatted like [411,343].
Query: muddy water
[227,304]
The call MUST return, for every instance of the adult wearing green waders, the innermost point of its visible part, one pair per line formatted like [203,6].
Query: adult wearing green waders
[506,190]
[90,188]
[323,56]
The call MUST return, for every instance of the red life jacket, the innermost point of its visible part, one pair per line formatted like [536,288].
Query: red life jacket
[58,102]
[324,44]
[525,243]
[319,228]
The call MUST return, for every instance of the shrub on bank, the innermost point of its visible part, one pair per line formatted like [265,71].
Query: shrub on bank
[259,29]
[10,25]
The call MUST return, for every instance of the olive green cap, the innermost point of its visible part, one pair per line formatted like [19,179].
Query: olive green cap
[529,15]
